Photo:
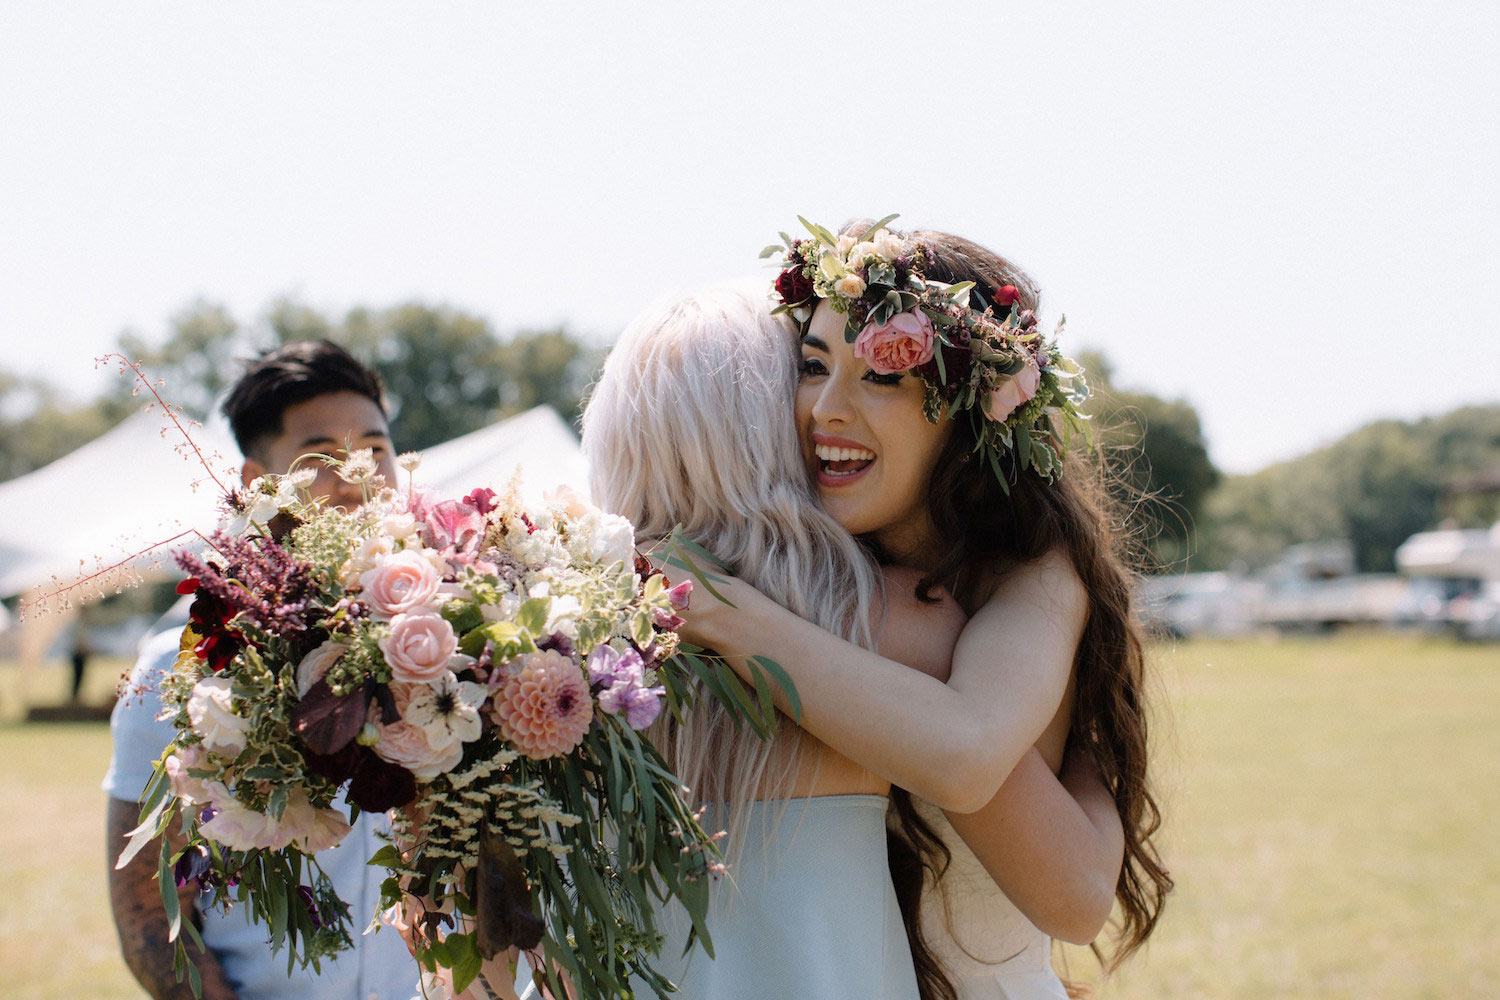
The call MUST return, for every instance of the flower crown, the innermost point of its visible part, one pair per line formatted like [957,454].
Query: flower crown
[975,349]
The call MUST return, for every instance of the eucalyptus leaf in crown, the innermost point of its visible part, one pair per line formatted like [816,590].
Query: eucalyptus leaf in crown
[978,352]
[481,668]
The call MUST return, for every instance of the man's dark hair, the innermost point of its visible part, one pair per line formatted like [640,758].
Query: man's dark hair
[293,373]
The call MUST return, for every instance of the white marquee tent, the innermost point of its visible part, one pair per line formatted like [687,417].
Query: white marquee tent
[537,443]
[115,495]
[130,488]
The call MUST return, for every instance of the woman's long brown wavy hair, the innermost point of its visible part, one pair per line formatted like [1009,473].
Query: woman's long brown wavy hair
[983,529]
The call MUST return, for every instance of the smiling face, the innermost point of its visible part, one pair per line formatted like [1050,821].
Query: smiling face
[866,442]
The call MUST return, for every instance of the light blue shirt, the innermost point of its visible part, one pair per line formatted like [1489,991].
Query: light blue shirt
[379,967]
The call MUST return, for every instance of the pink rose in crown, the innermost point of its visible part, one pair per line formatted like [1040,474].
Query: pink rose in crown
[1014,392]
[898,345]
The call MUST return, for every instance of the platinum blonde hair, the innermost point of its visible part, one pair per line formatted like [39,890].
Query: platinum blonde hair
[691,425]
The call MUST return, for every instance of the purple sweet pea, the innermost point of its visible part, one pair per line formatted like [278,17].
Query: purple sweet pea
[620,680]
[642,705]
[608,667]
[192,867]
[310,902]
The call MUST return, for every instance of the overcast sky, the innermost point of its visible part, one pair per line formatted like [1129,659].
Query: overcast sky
[1286,213]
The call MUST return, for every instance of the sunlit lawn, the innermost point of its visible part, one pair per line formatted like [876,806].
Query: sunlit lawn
[1332,814]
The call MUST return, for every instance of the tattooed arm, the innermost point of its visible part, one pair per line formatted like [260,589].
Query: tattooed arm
[141,920]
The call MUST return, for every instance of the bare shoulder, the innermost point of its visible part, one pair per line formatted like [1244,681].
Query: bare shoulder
[1049,583]
[918,633]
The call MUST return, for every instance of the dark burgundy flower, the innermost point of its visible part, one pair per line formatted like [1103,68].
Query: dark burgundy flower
[208,609]
[258,579]
[219,649]
[958,362]
[336,767]
[327,722]
[557,641]
[191,867]
[794,286]
[379,785]
[188,586]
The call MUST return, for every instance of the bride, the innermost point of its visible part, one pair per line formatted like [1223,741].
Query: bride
[690,425]
[941,450]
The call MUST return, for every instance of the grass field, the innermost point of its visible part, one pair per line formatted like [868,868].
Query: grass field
[1331,825]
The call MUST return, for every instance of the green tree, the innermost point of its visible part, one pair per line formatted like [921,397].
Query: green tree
[549,367]
[446,373]
[1376,487]
[441,367]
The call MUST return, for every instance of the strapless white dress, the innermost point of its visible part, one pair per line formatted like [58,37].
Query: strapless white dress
[807,913]
[988,948]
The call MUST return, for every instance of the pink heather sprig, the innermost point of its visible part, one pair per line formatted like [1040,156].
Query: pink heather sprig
[171,410]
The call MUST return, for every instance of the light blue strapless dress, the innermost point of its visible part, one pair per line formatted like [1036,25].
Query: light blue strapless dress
[807,912]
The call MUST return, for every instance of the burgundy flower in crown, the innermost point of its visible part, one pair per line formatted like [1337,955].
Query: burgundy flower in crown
[793,286]
[986,363]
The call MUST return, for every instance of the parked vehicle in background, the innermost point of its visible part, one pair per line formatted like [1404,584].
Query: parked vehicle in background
[1459,568]
[1190,604]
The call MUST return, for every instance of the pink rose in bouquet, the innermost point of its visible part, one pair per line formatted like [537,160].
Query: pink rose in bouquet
[419,646]
[399,583]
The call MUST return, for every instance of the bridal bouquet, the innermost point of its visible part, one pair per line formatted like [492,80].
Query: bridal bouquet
[480,668]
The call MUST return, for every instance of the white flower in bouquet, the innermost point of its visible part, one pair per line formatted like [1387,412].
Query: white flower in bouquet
[603,538]
[211,709]
[446,709]
[562,617]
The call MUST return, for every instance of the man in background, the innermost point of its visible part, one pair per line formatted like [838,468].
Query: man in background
[304,398]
